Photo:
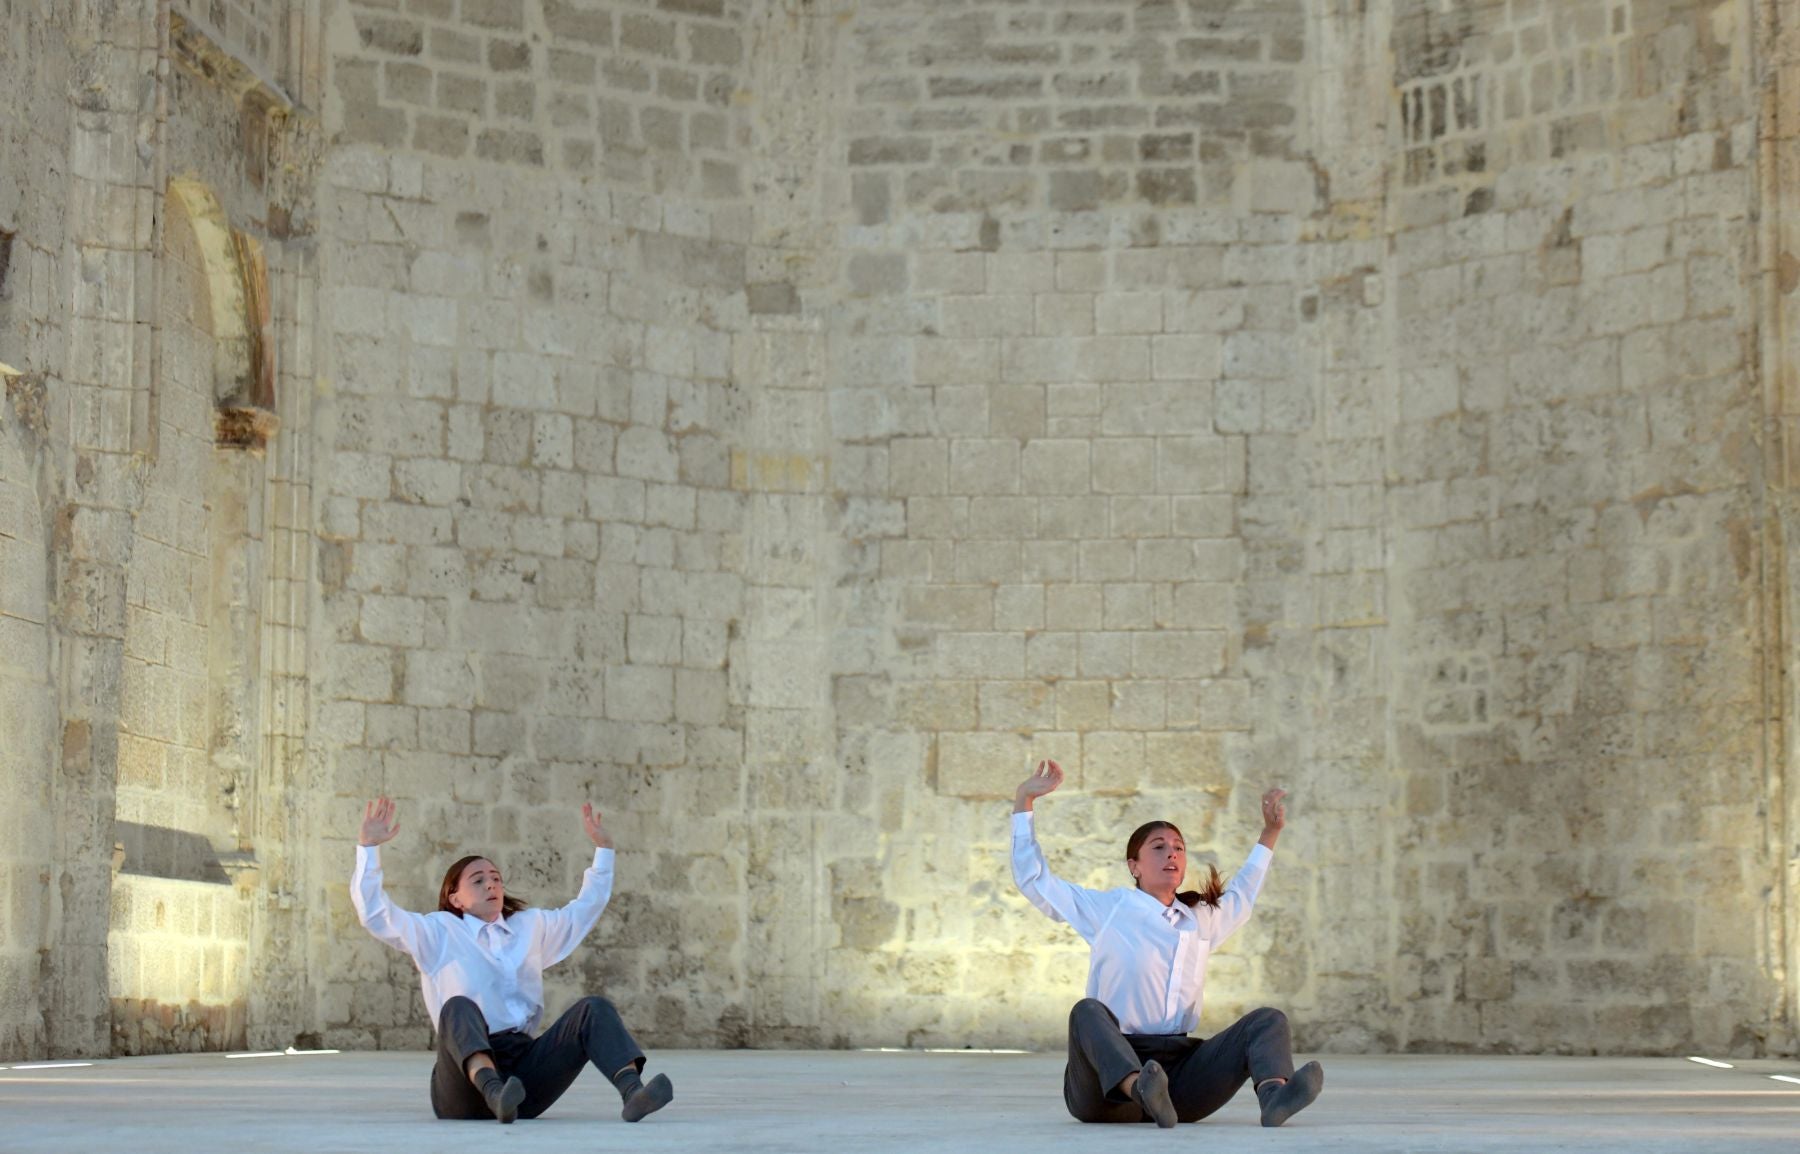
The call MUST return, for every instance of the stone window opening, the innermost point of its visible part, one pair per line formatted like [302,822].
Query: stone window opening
[236,277]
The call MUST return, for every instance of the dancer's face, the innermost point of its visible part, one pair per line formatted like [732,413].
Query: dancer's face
[479,892]
[1161,864]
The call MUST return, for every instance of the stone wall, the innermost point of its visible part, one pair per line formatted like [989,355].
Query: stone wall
[1068,372]
[34,120]
[1400,454]
[529,560]
[264,36]
[639,94]
[1573,511]
[71,208]
[778,422]
[148,565]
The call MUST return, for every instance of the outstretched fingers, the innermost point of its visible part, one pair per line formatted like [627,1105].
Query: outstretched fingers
[379,824]
[596,829]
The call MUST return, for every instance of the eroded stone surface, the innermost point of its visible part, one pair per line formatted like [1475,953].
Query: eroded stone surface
[779,423]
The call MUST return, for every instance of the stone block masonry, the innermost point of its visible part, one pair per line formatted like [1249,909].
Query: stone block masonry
[779,423]
[531,549]
[996,108]
[1207,476]
[644,96]
[264,36]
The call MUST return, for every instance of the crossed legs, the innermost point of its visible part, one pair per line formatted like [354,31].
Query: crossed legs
[1191,1077]
[588,1033]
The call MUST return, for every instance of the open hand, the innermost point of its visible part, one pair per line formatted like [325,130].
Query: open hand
[1043,780]
[590,820]
[1273,812]
[379,823]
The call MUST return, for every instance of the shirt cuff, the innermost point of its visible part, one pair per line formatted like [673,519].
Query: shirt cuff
[368,854]
[1260,855]
[603,856]
[1022,824]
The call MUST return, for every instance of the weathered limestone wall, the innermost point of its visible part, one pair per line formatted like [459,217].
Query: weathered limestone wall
[34,122]
[638,94]
[528,542]
[203,685]
[1078,231]
[1219,423]
[265,37]
[135,545]
[71,201]
[1577,589]
[779,421]
[530,538]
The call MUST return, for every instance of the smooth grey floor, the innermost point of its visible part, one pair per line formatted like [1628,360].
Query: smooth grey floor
[858,1101]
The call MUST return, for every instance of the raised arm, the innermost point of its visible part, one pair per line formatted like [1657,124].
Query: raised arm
[1239,897]
[1082,908]
[402,929]
[562,929]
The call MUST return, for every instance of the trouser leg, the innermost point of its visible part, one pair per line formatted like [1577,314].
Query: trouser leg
[1099,1058]
[1255,1047]
[590,1031]
[462,1033]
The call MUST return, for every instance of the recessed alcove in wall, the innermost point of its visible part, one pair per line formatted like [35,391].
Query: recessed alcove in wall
[191,714]
[231,302]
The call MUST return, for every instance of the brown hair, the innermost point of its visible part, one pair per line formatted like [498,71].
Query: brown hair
[1215,886]
[509,905]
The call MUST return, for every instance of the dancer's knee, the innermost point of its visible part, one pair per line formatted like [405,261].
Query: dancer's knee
[458,1008]
[1088,1010]
[598,1008]
[1267,1016]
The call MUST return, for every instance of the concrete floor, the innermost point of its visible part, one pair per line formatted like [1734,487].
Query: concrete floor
[853,1101]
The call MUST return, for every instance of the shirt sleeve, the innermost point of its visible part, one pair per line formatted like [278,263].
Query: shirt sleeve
[1082,908]
[402,929]
[561,930]
[1240,894]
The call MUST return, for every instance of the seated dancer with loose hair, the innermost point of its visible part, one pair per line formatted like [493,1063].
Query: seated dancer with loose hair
[481,957]
[1130,1056]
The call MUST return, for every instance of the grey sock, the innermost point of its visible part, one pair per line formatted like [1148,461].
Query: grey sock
[502,1095]
[627,1082]
[1151,1093]
[648,1098]
[1283,1101]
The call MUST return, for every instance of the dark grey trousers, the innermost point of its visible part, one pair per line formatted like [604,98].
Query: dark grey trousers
[588,1031]
[1203,1072]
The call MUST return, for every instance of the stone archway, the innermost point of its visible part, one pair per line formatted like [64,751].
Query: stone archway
[190,702]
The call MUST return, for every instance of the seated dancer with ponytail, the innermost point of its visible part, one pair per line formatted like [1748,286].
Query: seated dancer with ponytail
[1130,1056]
[481,957]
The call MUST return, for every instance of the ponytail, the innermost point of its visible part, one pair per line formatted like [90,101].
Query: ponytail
[1215,889]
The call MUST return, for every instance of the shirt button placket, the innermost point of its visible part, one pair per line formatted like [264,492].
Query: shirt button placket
[1172,1006]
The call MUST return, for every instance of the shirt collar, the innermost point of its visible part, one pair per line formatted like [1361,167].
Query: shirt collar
[477,925]
[1174,913]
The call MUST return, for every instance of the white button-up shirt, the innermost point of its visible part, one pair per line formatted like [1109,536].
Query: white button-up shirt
[1148,961]
[499,965]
